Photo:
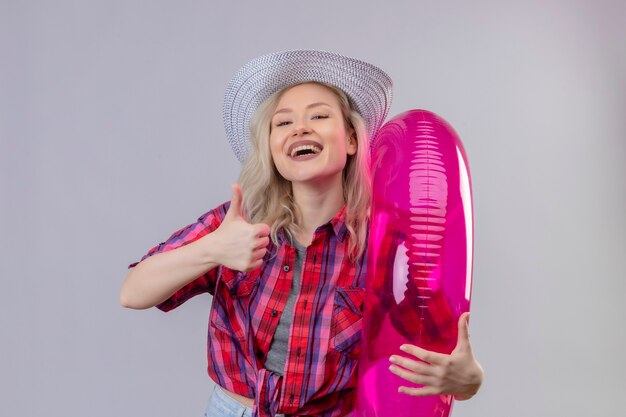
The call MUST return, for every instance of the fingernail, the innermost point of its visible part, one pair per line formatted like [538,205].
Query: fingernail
[403,348]
[392,359]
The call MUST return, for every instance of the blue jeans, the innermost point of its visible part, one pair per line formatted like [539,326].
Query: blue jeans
[222,405]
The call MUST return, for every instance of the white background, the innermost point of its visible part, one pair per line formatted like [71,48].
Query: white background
[111,139]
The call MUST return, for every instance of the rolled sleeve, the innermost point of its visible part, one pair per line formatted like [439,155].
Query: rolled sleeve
[205,224]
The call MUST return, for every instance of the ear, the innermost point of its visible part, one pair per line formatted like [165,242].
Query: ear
[351,142]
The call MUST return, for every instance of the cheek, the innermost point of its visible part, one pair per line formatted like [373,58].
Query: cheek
[342,159]
[274,147]
[276,154]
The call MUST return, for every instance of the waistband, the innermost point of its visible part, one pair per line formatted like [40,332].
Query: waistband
[234,407]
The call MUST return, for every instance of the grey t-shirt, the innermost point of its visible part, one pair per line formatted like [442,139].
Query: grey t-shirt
[277,355]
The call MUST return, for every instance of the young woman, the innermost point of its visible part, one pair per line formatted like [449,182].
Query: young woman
[285,259]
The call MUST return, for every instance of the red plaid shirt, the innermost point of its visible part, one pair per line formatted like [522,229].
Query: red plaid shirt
[320,373]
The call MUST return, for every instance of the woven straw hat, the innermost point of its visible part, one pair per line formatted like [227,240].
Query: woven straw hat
[368,87]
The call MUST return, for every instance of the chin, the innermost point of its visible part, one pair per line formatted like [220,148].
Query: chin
[316,178]
[311,173]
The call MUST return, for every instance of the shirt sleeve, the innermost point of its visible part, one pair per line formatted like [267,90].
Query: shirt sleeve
[205,224]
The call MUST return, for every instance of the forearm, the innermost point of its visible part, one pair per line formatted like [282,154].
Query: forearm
[156,278]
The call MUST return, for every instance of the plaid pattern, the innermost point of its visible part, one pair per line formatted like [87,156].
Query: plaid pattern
[424,315]
[320,374]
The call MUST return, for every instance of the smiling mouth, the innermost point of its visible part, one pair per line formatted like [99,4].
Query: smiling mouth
[305,150]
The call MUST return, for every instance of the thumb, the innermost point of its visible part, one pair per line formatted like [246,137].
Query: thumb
[463,341]
[236,202]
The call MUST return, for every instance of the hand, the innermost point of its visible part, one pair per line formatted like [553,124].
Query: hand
[458,373]
[240,245]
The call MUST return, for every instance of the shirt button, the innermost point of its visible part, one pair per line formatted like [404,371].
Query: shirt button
[274,313]
[286,268]
[298,352]
[291,398]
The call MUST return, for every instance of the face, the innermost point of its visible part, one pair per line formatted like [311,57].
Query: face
[309,140]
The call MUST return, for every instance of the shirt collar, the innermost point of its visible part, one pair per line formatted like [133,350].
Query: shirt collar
[337,224]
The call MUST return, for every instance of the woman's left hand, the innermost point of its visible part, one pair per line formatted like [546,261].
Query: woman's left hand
[458,373]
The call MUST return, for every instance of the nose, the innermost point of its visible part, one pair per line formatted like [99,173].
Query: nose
[300,131]
[301,128]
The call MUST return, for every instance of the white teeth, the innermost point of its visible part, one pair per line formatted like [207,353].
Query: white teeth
[313,148]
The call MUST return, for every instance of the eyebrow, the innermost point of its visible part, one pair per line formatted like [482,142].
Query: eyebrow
[287,110]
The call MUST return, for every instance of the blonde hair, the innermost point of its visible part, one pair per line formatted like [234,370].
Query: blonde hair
[267,196]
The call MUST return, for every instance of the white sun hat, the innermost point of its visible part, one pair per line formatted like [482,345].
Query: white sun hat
[368,88]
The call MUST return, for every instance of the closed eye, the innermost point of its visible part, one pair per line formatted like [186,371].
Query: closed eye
[316,117]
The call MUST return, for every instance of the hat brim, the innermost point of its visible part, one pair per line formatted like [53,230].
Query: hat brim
[368,87]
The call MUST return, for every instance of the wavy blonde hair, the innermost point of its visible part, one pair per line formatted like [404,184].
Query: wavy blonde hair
[268,197]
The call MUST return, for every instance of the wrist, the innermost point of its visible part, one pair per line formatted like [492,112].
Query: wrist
[208,250]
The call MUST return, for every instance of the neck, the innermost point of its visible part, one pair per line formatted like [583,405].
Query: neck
[318,203]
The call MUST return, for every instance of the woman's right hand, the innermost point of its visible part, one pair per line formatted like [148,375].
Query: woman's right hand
[239,245]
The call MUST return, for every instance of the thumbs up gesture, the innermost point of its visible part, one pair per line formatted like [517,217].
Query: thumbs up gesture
[240,245]
[458,373]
